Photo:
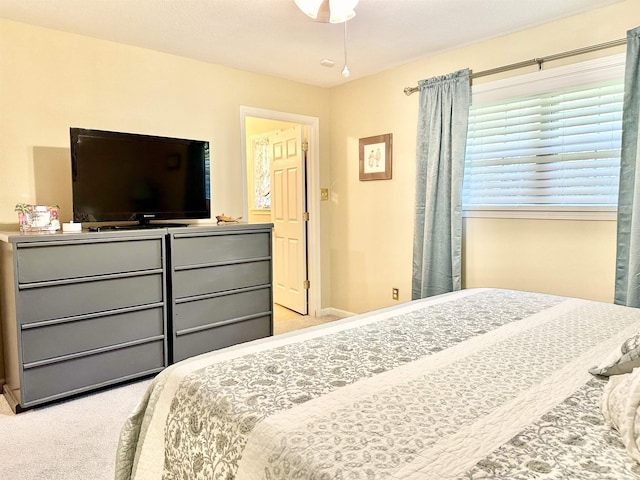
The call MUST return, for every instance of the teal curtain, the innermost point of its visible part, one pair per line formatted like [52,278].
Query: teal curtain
[442,136]
[627,290]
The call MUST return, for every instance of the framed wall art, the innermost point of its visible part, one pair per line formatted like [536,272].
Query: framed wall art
[375,157]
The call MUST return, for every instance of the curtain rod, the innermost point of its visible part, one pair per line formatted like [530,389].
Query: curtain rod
[537,61]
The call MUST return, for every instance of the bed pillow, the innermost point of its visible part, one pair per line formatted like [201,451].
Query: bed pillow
[621,409]
[622,360]
[630,343]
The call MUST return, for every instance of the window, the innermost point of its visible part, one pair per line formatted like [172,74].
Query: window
[546,144]
[261,172]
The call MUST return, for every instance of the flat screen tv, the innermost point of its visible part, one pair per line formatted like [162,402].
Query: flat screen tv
[130,177]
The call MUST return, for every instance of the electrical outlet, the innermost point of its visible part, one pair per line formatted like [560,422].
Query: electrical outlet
[395,293]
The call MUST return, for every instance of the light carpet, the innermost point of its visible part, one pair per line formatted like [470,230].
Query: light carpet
[71,440]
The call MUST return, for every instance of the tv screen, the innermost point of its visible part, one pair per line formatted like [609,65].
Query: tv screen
[129,177]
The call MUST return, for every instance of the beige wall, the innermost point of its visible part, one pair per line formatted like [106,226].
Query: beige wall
[574,258]
[372,222]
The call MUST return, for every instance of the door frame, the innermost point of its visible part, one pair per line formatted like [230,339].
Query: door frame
[313,190]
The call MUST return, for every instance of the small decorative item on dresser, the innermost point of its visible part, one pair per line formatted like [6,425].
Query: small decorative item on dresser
[224,219]
[38,218]
[72,227]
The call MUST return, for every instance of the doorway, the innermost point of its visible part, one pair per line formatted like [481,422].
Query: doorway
[252,121]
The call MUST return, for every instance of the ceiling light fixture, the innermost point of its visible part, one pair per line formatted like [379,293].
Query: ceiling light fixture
[339,10]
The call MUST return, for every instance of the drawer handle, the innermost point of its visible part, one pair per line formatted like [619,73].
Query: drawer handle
[89,316]
[205,296]
[87,353]
[108,276]
[209,326]
[221,264]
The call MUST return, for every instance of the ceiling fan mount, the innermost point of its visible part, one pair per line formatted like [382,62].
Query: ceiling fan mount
[328,11]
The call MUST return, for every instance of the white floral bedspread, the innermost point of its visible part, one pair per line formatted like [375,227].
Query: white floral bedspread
[441,388]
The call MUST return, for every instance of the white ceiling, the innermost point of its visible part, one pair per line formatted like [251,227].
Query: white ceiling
[273,37]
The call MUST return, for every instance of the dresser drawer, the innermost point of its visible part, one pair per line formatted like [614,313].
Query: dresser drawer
[199,281]
[220,248]
[209,311]
[219,337]
[85,373]
[58,301]
[82,335]
[55,262]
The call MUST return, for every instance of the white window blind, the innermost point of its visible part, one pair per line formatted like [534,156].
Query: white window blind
[553,149]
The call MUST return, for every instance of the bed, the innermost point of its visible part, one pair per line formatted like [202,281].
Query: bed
[475,384]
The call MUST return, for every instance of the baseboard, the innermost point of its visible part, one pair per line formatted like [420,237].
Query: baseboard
[11,399]
[335,312]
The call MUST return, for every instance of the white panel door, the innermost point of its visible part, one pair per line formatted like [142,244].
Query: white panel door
[287,214]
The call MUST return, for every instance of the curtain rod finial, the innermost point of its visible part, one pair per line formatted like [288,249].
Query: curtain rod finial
[409,90]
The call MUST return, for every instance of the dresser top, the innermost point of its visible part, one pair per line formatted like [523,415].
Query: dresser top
[120,232]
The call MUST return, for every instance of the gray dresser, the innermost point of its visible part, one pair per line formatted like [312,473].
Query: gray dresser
[85,310]
[221,284]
